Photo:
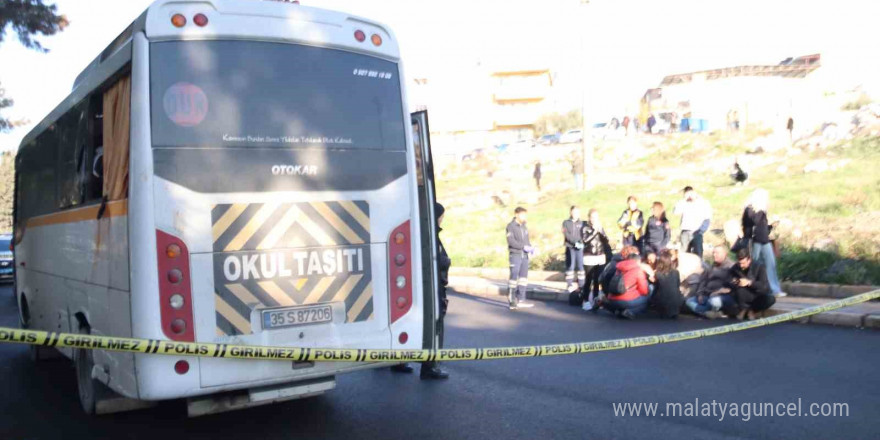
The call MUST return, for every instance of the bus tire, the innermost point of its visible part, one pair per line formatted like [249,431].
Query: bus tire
[87,387]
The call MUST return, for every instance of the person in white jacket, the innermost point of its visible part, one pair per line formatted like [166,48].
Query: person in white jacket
[696,215]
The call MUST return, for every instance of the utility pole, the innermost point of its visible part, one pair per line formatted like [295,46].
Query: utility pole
[586,144]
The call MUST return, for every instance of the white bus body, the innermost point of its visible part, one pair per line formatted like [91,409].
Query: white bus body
[243,197]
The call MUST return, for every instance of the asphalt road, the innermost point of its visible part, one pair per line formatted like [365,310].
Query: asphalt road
[556,397]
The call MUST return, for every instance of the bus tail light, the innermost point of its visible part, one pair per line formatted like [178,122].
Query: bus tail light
[201,20]
[400,272]
[178,20]
[360,36]
[376,39]
[175,288]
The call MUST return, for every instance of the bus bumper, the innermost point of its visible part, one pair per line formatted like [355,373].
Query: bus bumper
[231,401]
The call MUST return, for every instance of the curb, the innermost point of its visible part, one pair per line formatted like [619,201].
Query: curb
[485,288]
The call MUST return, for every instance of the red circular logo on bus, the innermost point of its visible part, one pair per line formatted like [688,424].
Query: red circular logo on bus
[185,104]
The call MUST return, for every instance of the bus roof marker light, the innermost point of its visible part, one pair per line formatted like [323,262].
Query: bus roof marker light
[376,39]
[360,36]
[201,20]
[178,20]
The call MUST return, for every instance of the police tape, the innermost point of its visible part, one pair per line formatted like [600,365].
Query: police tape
[302,354]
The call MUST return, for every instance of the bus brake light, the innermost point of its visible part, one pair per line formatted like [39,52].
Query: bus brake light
[360,36]
[400,273]
[175,288]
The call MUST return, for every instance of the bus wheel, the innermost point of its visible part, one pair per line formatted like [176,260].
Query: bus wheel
[86,386]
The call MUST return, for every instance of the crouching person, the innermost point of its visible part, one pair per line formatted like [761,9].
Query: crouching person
[628,295]
[713,295]
[667,298]
[750,286]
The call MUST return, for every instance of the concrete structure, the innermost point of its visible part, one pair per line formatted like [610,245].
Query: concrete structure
[519,99]
[764,95]
[479,106]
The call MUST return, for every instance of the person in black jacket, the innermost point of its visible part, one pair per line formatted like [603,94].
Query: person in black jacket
[667,299]
[756,228]
[519,249]
[657,230]
[750,286]
[431,369]
[596,255]
[574,250]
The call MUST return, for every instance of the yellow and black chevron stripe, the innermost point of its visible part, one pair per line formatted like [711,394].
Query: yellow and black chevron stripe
[262,226]
[252,229]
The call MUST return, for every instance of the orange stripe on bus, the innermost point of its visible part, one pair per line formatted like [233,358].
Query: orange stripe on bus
[87,213]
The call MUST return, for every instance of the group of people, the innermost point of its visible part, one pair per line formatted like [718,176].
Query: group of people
[645,273]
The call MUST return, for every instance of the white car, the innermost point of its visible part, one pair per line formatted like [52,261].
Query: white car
[571,136]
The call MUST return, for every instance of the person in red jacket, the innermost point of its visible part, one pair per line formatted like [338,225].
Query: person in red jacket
[635,277]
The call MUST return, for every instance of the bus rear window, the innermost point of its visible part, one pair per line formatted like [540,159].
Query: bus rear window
[215,94]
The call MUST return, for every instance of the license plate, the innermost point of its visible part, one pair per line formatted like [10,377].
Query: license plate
[293,316]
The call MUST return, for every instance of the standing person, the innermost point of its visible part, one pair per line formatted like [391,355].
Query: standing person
[790,127]
[631,221]
[431,369]
[658,232]
[756,228]
[634,298]
[750,286]
[577,171]
[519,248]
[696,216]
[596,251]
[626,125]
[667,299]
[652,121]
[537,175]
[574,252]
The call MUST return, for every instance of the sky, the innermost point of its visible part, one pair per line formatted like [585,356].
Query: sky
[619,47]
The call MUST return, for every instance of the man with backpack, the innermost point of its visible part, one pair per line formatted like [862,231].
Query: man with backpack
[519,249]
[574,250]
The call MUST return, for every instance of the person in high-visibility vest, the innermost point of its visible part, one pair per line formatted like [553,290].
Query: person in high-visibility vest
[631,222]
